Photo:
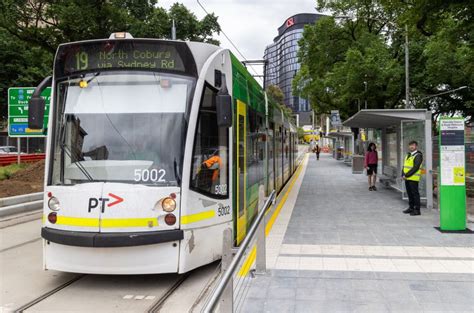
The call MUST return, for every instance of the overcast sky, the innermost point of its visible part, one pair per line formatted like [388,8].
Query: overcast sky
[250,24]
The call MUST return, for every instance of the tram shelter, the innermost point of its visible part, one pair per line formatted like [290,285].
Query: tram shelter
[343,145]
[399,127]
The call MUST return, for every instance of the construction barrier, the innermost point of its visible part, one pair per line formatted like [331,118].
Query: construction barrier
[24,158]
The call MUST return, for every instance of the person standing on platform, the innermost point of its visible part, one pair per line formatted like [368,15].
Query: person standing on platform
[370,164]
[317,150]
[412,174]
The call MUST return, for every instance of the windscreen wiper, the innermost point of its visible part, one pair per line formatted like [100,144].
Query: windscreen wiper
[176,175]
[66,149]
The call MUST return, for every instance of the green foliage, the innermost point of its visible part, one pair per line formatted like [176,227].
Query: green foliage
[275,94]
[6,172]
[365,43]
[300,132]
[30,31]
[22,65]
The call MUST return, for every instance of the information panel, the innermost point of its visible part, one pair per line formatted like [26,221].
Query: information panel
[452,152]
[18,98]
[452,189]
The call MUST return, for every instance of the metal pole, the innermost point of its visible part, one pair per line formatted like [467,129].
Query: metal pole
[226,277]
[18,143]
[261,260]
[265,62]
[407,72]
[429,161]
[365,83]
[227,299]
[173,31]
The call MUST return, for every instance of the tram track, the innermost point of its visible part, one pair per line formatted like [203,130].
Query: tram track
[153,308]
[20,244]
[48,294]
[157,305]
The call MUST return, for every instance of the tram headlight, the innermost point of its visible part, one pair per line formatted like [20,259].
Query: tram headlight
[53,204]
[168,204]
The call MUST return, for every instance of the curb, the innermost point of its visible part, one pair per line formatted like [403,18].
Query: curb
[21,204]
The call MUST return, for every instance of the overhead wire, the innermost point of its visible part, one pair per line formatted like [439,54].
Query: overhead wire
[233,45]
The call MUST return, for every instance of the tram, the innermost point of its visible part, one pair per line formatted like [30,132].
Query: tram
[154,148]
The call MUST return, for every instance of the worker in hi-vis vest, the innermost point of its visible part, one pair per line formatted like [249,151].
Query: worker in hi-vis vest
[412,175]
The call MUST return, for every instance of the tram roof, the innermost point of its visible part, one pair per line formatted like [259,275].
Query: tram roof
[383,118]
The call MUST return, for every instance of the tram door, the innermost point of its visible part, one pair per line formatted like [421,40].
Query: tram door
[241,132]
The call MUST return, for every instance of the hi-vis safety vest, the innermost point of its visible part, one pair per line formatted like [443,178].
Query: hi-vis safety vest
[408,165]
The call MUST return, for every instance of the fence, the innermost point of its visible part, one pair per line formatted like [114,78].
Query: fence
[230,292]
[24,158]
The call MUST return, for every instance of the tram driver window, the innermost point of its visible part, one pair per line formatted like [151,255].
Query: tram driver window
[209,172]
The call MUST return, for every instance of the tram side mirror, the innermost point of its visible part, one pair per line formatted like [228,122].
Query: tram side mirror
[224,106]
[36,105]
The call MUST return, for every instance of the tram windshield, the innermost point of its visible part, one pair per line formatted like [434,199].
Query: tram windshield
[121,127]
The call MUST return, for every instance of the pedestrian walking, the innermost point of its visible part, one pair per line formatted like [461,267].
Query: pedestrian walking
[370,164]
[412,174]
[311,145]
[317,150]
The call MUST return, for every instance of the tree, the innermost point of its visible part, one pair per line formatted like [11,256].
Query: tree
[276,95]
[48,23]
[30,31]
[22,65]
[345,65]
[366,44]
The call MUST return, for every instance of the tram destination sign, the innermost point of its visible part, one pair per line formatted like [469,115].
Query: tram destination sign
[18,98]
[120,54]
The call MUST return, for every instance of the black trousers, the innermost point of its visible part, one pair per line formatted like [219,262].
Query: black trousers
[413,194]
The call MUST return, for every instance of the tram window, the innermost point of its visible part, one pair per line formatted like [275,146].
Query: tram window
[209,172]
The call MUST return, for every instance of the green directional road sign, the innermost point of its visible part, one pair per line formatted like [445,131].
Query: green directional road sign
[18,98]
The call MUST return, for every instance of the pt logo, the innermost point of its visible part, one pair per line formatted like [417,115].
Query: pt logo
[94,202]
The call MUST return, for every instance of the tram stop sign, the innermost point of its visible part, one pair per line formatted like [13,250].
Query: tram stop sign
[18,98]
[452,189]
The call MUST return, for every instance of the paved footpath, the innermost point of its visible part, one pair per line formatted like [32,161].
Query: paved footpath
[337,247]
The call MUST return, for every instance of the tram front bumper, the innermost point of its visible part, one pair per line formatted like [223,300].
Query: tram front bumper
[109,240]
[105,254]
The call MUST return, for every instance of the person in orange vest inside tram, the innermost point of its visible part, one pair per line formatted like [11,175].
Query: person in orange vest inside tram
[214,164]
[412,175]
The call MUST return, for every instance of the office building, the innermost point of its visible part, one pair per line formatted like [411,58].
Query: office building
[283,59]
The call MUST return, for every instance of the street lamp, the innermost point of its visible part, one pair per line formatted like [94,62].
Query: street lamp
[443,93]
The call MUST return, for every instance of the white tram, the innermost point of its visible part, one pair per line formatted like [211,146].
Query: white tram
[154,148]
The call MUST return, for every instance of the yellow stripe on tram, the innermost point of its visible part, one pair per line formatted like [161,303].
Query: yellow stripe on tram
[126,222]
[193,218]
[129,222]
[105,223]
[77,221]
[253,254]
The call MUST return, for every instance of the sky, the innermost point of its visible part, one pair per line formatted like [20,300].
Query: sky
[251,25]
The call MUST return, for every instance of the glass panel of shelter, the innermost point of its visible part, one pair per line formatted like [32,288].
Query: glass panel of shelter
[413,130]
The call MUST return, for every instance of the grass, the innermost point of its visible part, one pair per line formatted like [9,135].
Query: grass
[7,171]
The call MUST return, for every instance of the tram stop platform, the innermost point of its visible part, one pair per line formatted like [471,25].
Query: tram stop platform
[337,247]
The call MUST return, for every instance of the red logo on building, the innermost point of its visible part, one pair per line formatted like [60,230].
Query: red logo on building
[290,22]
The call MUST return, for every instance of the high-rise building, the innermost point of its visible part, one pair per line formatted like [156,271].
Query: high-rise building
[283,59]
